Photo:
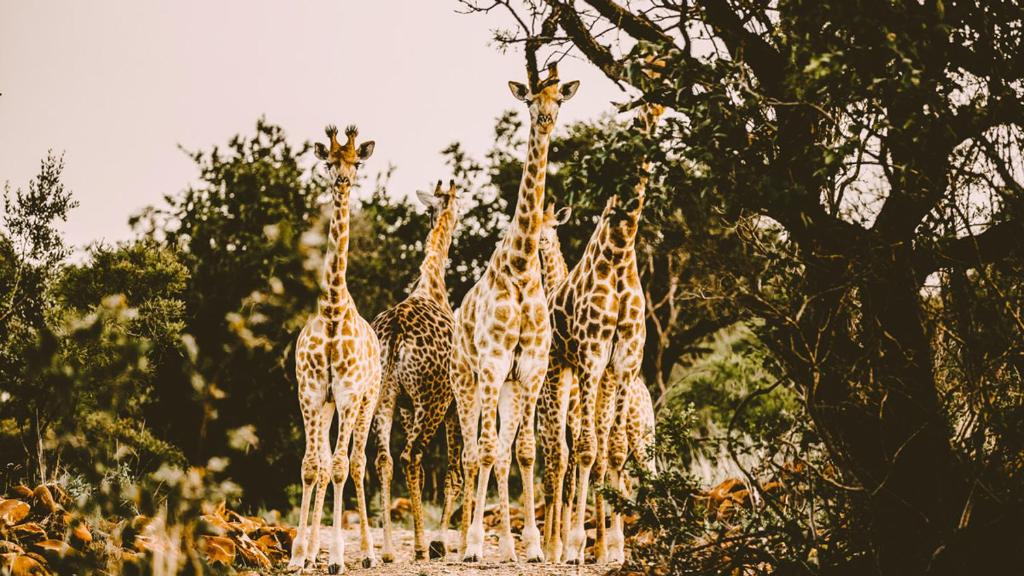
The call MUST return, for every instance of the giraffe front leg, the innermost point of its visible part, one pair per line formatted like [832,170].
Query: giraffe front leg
[494,367]
[586,453]
[323,478]
[508,415]
[361,433]
[339,476]
[533,366]
[310,474]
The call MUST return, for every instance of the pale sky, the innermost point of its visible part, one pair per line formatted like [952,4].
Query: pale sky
[117,85]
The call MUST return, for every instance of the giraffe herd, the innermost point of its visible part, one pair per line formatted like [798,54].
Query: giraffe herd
[531,341]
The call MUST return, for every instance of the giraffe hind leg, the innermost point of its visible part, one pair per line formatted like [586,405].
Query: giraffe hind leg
[453,481]
[383,420]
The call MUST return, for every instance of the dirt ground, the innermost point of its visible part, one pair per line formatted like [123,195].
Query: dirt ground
[404,564]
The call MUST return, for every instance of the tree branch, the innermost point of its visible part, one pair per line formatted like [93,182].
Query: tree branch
[745,46]
[637,25]
[994,244]
[581,37]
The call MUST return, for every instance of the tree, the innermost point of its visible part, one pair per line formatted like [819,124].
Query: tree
[860,130]
[31,252]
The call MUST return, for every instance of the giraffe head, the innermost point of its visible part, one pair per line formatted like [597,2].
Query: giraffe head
[439,200]
[544,98]
[550,222]
[622,216]
[341,160]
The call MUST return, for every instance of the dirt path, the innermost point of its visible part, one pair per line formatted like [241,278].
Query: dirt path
[404,564]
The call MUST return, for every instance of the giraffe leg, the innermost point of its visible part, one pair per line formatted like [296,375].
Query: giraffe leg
[310,474]
[412,459]
[364,418]
[323,477]
[606,403]
[339,476]
[586,453]
[384,462]
[618,448]
[571,438]
[567,508]
[494,366]
[553,432]
[508,415]
[468,408]
[548,412]
[452,481]
[533,365]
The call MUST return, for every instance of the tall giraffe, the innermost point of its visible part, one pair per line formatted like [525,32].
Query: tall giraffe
[631,333]
[337,365]
[501,341]
[416,336]
[598,332]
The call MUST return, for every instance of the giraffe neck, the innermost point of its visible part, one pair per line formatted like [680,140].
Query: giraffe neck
[431,281]
[647,116]
[332,280]
[599,247]
[553,265]
[524,233]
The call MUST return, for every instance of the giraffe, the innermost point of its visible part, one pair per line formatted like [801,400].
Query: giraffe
[598,332]
[553,265]
[501,340]
[582,324]
[337,365]
[614,401]
[416,337]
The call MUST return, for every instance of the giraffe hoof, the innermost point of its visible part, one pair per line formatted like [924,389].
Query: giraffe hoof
[419,555]
[437,550]
[367,563]
[573,562]
[334,569]
[535,560]
[473,558]
[385,558]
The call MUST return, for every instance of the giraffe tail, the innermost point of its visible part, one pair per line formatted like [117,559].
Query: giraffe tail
[392,341]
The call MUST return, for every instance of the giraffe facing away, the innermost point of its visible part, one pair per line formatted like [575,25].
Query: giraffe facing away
[598,333]
[620,393]
[583,314]
[501,340]
[638,425]
[337,366]
[416,339]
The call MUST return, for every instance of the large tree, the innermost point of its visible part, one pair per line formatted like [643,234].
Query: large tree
[883,139]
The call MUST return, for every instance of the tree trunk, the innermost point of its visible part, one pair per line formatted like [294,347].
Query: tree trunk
[871,392]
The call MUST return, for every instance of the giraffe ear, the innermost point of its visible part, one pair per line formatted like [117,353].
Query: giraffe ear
[320,151]
[563,215]
[366,150]
[520,91]
[427,198]
[568,90]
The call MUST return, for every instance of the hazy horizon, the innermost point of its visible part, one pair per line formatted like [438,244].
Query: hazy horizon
[118,86]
